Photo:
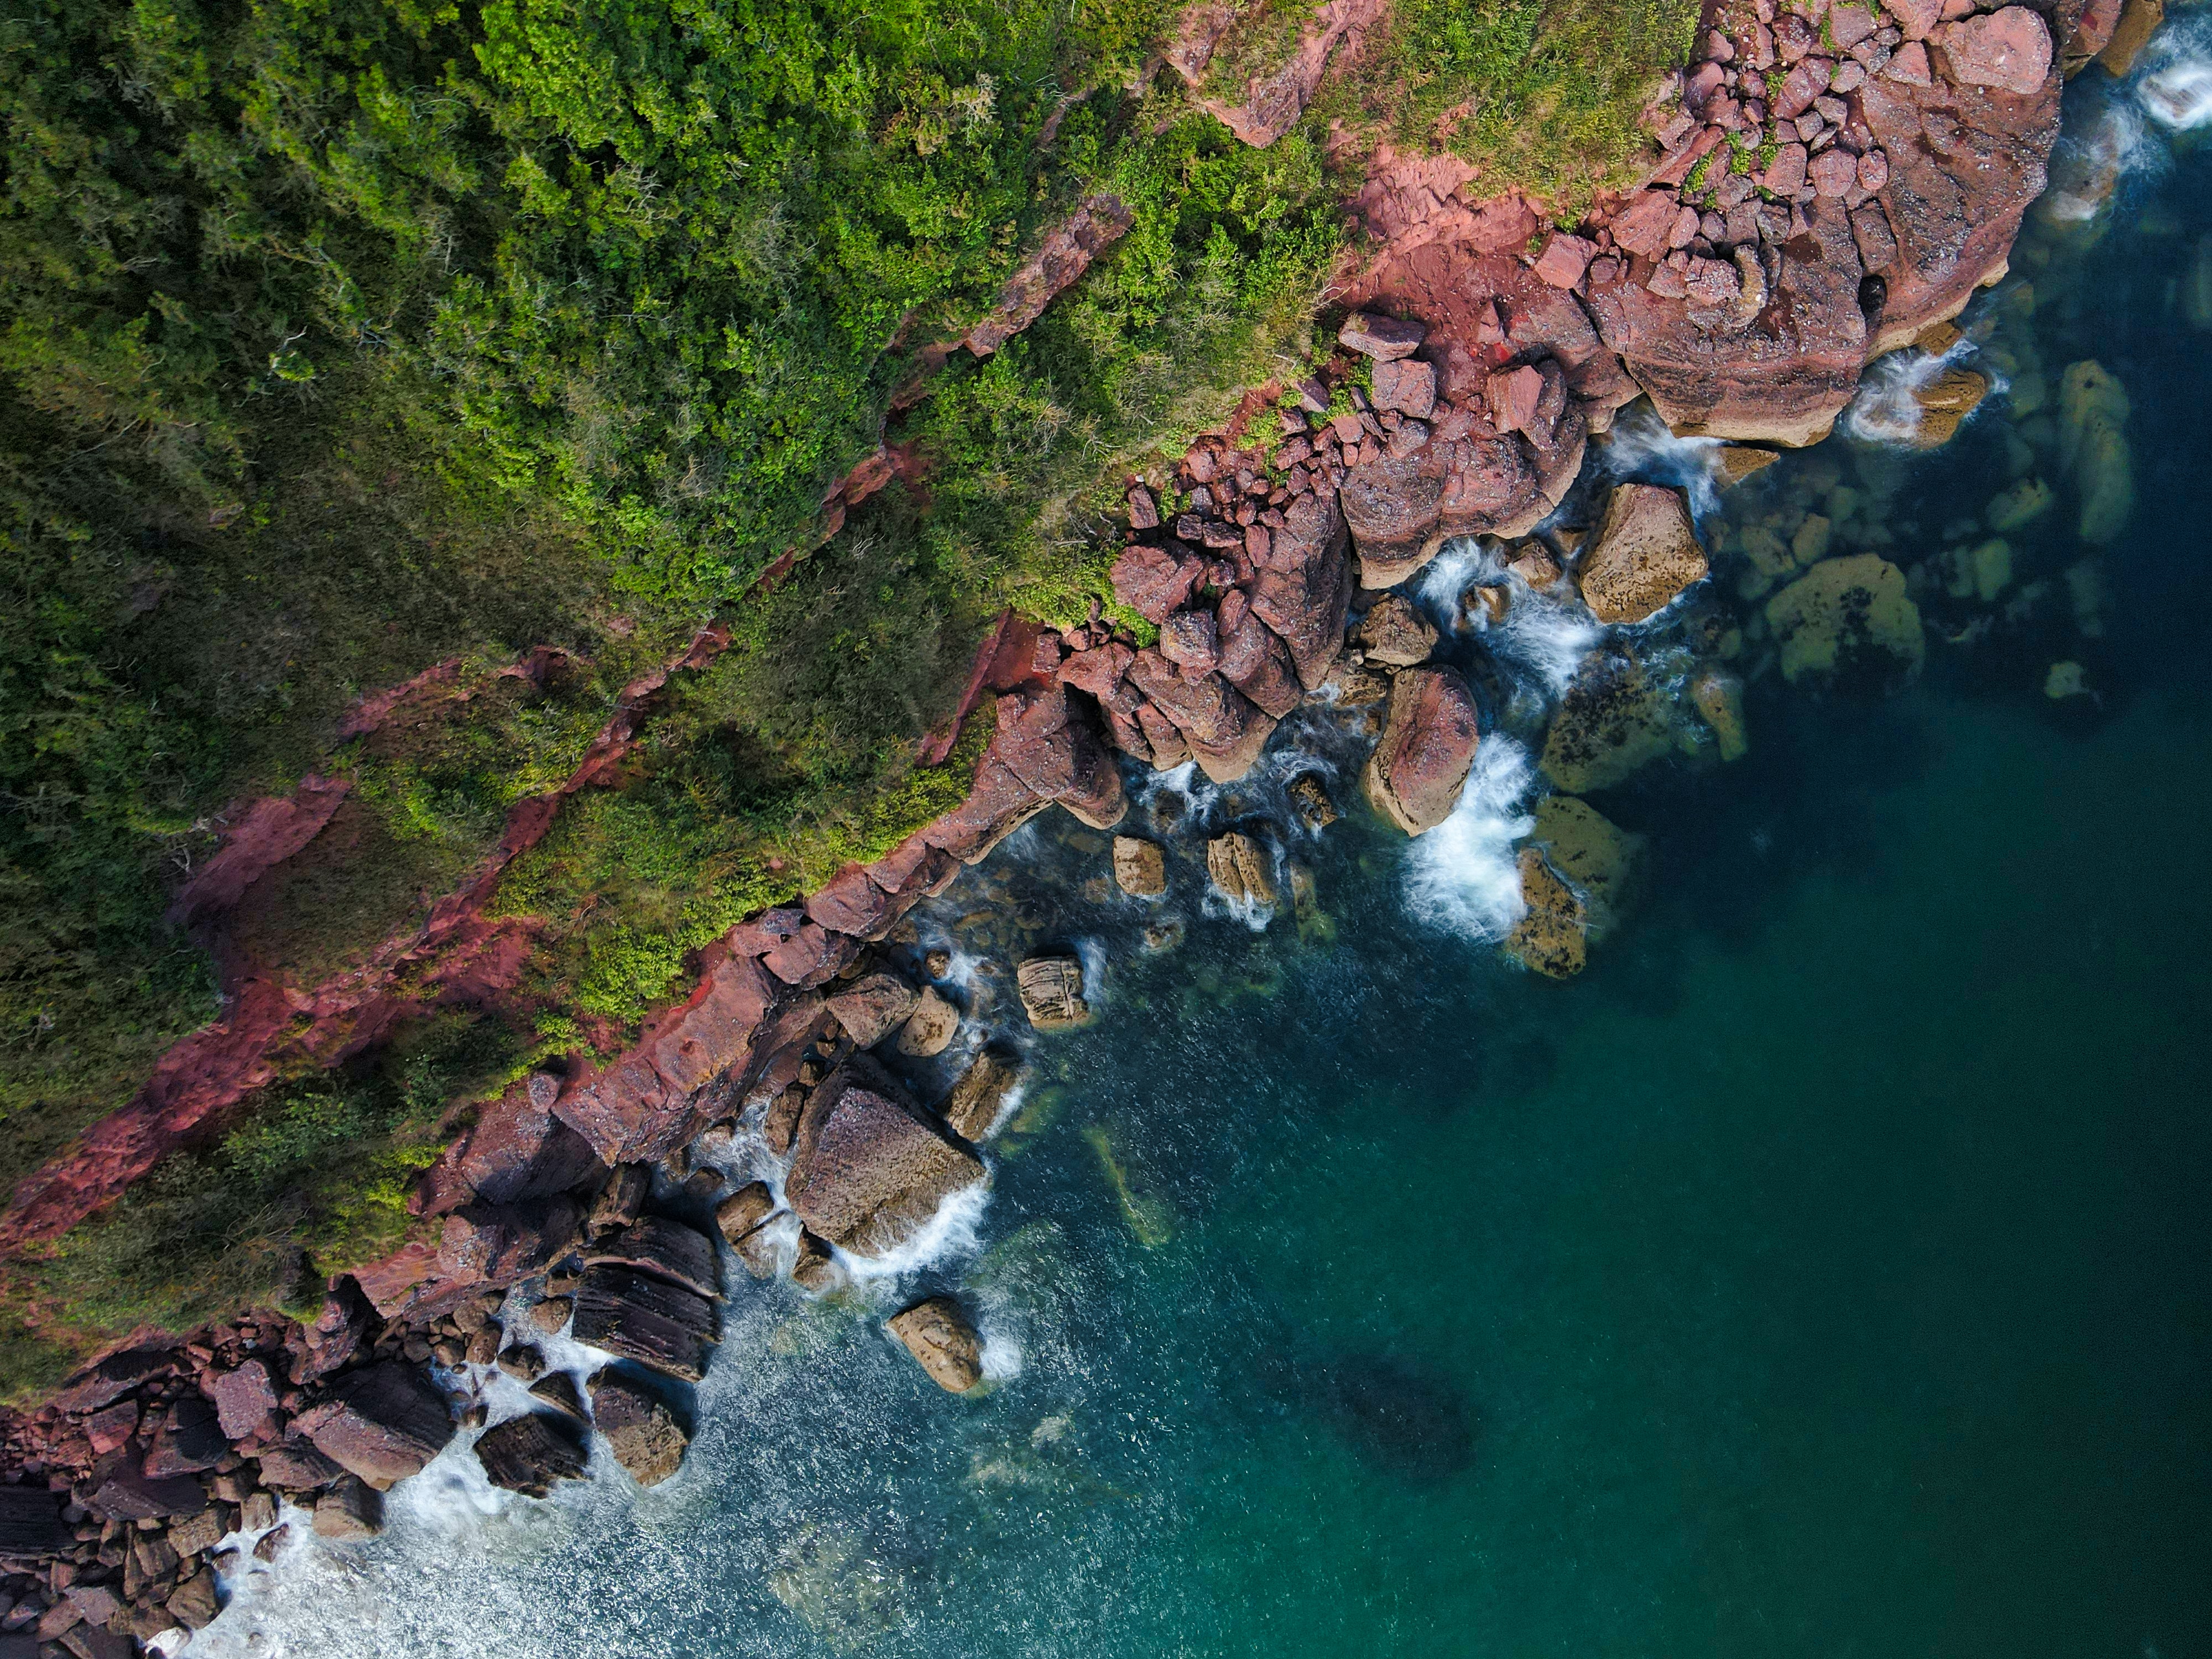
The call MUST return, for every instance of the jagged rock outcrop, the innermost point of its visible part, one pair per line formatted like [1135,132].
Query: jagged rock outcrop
[869,1167]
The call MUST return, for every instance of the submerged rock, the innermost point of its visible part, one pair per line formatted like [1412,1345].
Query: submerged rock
[641,1431]
[2093,450]
[1428,746]
[1645,554]
[1848,624]
[938,1334]
[1945,402]
[1239,869]
[870,1168]
[1719,697]
[1141,869]
[1576,876]
[529,1453]
[1051,989]
[1614,720]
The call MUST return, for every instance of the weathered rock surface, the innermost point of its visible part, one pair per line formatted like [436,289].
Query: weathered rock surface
[872,1007]
[977,1099]
[1848,624]
[743,1210]
[1613,721]
[668,1249]
[930,1029]
[869,1167]
[1646,553]
[938,1334]
[1428,744]
[647,1319]
[529,1453]
[382,1423]
[245,1399]
[350,1511]
[1395,633]
[1051,989]
[645,1436]
[1140,868]
[1239,868]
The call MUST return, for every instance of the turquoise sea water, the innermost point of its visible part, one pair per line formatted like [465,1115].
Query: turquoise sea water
[1828,1271]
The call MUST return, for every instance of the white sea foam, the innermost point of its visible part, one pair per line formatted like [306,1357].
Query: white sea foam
[1884,410]
[1643,448]
[1543,635]
[954,1231]
[2175,87]
[1461,875]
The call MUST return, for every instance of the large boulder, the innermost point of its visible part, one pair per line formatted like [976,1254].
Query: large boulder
[1053,746]
[245,1399]
[2008,49]
[646,1437]
[189,1440]
[1051,989]
[1239,869]
[1302,586]
[872,1007]
[1141,869]
[31,1525]
[1429,739]
[870,1168]
[1395,633]
[1645,554]
[641,1317]
[667,1249]
[529,1453]
[1848,624]
[938,1334]
[382,1423]
[1225,729]
[930,1029]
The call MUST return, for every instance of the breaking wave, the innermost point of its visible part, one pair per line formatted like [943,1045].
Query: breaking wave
[1884,410]
[2176,90]
[1642,448]
[1462,876]
[1543,637]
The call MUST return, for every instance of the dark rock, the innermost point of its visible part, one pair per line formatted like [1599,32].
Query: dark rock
[523,1361]
[1256,660]
[128,1495]
[528,1454]
[644,1435]
[869,1167]
[382,1423]
[296,1466]
[667,1249]
[118,1374]
[31,1524]
[938,1334]
[1310,795]
[502,1242]
[1427,748]
[194,1605]
[550,1314]
[623,1199]
[350,1511]
[645,1319]
[558,1390]
[272,1543]
[814,1268]
[1225,729]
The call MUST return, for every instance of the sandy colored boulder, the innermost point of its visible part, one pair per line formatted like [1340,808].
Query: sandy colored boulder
[1051,989]
[350,1511]
[937,1332]
[1394,634]
[930,1029]
[1550,937]
[1645,554]
[2139,21]
[2094,408]
[1847,624]
[1239,868]
[1718,696]
[1734,462]
[1310,796]
[743,1210]
[644,1435]
[1140,868]
[973,1105]
[1944,403]
[1429,738]
[1578,879]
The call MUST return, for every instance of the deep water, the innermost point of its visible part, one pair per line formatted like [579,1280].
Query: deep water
[1828,1271]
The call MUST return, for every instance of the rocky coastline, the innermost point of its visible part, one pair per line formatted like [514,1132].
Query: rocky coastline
[1839,181]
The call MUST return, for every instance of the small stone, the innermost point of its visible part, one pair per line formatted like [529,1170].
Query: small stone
[1140,868]
[551,1315]
[1385,339]
[1395,634]
[349,1512]
[1310,796]
[938,1334]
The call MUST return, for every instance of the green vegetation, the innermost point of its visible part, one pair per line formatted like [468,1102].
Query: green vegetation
[342,338]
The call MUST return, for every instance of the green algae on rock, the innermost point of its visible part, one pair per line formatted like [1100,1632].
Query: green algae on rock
[1848,624]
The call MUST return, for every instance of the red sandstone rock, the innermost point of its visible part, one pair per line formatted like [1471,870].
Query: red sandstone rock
[870,1168]
[382,1424]
[2008,49]
[1255,660]
[1225,729]
[1385,339]
[1428,746]
[1154,580]
[1305,590]
[1512,395]
[1051,747]
[1408,387]
[1563,260]
[849,903]
[1066,253]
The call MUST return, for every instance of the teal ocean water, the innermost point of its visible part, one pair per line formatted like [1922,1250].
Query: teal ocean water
[1828,1270]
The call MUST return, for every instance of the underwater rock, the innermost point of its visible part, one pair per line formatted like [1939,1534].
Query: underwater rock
[1645,554]
[1310,796]
[870,1168]
[1051,989]
[2018,506]
[1848,624]
[1734,462]
[529,1453]
[814,1267]
[1395,634]
[937,1332]
[2197,287]
[1428,745]
[649,1320]
[1140,868]
[973,1105]
[1981,573]
[1576,875]
[842,1592]
[382,1423]
[1151,1219]
[1718,696]
[642,1433]
[930,1029]
[1239,869]
[1614,720]
[2093,450]
[872,1008]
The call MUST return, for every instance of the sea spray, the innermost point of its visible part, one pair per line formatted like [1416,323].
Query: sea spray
[1544,634]
[1642,448]
[2175,88]
[1886,409]
[953,1232]
[1461,877]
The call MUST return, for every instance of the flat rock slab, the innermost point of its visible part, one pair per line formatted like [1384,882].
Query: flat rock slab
[296,1466]
[649,1320]
[382,1423]
[668,1249]
[528,1454]
[869,1168]
[1051,990]
[31,1525]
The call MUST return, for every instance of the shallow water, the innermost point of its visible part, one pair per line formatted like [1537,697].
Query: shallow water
[1828,1269]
